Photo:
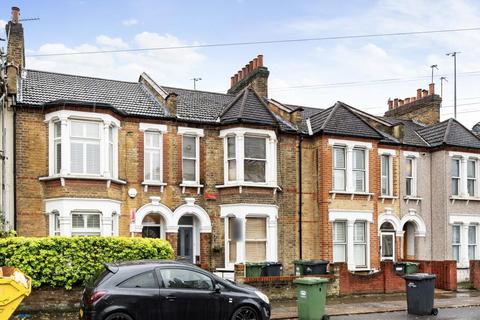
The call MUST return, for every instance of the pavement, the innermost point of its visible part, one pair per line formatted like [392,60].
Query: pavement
[465,313]
[358,305]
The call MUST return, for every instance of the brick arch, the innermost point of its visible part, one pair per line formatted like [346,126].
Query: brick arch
[191,208]
[420,228]
[154,207]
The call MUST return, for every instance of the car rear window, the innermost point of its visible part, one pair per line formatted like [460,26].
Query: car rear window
[143,280]
[98,277]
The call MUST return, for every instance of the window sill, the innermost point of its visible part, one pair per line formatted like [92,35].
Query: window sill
[467,199]
[412,198]
[82,177]
[352,193]
[146,184]
[385,197]
[240,185]
[185,185]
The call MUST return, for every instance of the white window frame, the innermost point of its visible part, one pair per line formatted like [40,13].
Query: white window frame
[456,179]
[344,168]
[474,244]
[361,170]
[388,177]
[458,244]
[412,178]
[241,212]
[363,244]
[197,134]
[349,146]
[336,242]
[161,129]
[86,231]
[474,178]
[57,141]
[351,217]
[65,118]
[159,150]
[271,156]
[262,240]
[464,159]
[85,141]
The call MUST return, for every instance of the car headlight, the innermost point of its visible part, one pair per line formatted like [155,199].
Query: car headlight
[262,296]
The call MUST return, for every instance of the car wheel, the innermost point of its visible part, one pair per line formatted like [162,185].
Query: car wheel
[245,313]
[118,316]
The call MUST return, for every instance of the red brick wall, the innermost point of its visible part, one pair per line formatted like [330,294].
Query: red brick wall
[475,273]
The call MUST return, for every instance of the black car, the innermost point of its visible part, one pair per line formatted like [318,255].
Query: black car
[168,290]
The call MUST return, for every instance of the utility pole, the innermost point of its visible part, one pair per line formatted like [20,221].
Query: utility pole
[433,66]
[195,82]
[454,55]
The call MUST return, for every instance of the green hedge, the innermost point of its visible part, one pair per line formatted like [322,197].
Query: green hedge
[68,262]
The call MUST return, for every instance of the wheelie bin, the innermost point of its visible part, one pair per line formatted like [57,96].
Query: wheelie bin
[254,269]
[272,269]
[14,287]
[311,298]
[310,267]
[420,293]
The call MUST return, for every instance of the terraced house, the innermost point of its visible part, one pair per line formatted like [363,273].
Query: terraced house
[237,177]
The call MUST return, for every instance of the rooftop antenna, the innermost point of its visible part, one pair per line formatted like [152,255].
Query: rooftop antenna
[454,55]
[29,19]
[195,82]
[433,66]
[441,85]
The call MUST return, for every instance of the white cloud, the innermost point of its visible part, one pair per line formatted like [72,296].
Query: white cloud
[130,22]
[163,65]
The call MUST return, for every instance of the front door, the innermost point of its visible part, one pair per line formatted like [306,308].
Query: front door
[185,243]
[387,243]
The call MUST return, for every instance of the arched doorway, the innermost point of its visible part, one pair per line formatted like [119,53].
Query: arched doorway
[409,240]
[387,242]
[187,241]
[153,226]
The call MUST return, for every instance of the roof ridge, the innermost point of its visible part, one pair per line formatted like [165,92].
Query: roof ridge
[80,76]
[335,107]
[230,105]
[203,91]
[244,101]
[447,131]
[352,111]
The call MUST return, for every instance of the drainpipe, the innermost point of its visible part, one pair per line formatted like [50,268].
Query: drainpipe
[300,198]
[14,168]
[2,106]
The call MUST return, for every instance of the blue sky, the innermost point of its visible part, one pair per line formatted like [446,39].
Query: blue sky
[84,25]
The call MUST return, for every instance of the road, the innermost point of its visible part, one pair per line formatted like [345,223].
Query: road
[467,313]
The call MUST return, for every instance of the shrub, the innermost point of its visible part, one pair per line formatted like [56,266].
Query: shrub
[68,262]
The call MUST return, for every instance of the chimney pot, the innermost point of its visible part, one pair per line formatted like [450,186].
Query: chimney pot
[236,78]
[240,75]
[413,99]
[407,100]
[400,102]
[390,104]
[232,81]
[250,66]
[431,89]
[247,67]
[419,93]
[244,72]
[395,103]
[260,60]
[255,63]
[424,93]
[15,14]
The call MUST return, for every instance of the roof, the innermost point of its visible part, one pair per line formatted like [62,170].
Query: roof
[449,132]
[248,107]
[341,120]
[40,87]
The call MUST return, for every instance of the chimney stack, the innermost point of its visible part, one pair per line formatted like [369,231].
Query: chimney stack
[15,51]
[425,107]
[254,74]
[171,103]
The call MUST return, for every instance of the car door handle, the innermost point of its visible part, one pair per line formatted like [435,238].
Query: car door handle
[170,298]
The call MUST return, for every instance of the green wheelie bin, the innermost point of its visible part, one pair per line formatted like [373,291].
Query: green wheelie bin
[311,298]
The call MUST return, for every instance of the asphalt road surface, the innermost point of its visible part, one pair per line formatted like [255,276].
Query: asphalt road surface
[468,313]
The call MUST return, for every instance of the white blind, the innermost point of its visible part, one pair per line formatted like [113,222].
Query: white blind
[76,157]
[85,147]
[93,158]
[255,239]
[339,157]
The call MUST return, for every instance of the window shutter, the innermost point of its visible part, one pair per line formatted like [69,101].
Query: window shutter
[93,158]
[76,157]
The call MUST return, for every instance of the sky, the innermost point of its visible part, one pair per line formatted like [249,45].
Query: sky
[303,73]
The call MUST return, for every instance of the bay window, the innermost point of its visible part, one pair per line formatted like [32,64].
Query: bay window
[82,144]
[250,157]
[464,175]
[360,244]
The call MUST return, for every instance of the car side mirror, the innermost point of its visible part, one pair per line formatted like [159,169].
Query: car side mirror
[217,288]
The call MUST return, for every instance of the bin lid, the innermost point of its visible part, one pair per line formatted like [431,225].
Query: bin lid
[310,280]
[419,276]
[313,262]
[412,263]
[273,264]
[255,264]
